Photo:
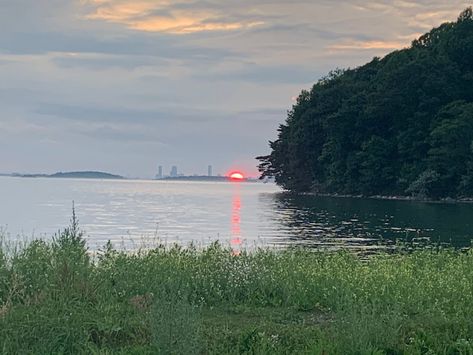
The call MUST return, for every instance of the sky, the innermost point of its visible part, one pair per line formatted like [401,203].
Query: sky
[126,85]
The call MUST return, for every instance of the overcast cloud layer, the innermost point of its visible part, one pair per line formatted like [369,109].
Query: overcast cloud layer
[125,85]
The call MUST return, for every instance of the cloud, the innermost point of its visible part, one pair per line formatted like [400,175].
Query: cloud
[99,62]
[276,74]
[121,85]
[419,15]
[43,42]
[164,16]
[263,114]
[117,114]
[368,45]
[5,61]
[425,20]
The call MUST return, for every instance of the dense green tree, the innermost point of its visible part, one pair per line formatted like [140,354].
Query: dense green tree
[402,124]
[451,136]
[466,184]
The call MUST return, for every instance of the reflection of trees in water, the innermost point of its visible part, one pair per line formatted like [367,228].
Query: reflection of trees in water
[367,222]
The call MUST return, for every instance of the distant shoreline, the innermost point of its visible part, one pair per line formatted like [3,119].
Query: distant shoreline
[72,174]
[203,178]
[108,176]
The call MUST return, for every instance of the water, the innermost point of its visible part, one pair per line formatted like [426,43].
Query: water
[136,214]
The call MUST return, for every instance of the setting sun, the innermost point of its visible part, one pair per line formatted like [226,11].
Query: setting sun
[236,176]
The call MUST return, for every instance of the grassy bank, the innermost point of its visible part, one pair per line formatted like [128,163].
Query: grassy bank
[55,299]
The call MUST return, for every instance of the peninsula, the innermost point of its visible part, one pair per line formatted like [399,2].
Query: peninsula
[398,126]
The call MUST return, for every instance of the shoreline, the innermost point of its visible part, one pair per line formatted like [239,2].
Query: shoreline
[448,200]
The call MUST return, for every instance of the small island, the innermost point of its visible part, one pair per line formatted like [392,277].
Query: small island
[75,175]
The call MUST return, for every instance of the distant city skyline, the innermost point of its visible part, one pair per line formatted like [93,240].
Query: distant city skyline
[176,171]
[118,85]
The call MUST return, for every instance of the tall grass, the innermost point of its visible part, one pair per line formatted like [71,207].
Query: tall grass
[54,298]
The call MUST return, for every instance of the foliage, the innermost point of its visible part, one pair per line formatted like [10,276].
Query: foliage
[56,298]
[425,184]
[380,129]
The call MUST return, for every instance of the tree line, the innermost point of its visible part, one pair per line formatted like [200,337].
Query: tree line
[400,125]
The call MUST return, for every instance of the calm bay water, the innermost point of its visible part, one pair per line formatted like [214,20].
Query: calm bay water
[135,213]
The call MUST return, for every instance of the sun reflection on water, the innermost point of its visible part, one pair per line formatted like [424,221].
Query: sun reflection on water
[236,239]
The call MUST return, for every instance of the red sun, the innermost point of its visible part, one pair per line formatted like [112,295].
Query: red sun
[236,176]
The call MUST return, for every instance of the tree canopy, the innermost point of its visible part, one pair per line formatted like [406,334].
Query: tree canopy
[400,125]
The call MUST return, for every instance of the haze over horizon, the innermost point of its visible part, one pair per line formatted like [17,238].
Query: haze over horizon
[124,86]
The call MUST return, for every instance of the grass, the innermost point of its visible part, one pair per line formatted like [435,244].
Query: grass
[56,299]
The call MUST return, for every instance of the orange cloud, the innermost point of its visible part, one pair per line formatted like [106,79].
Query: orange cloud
[160,16]
[366,45]
[429,19]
